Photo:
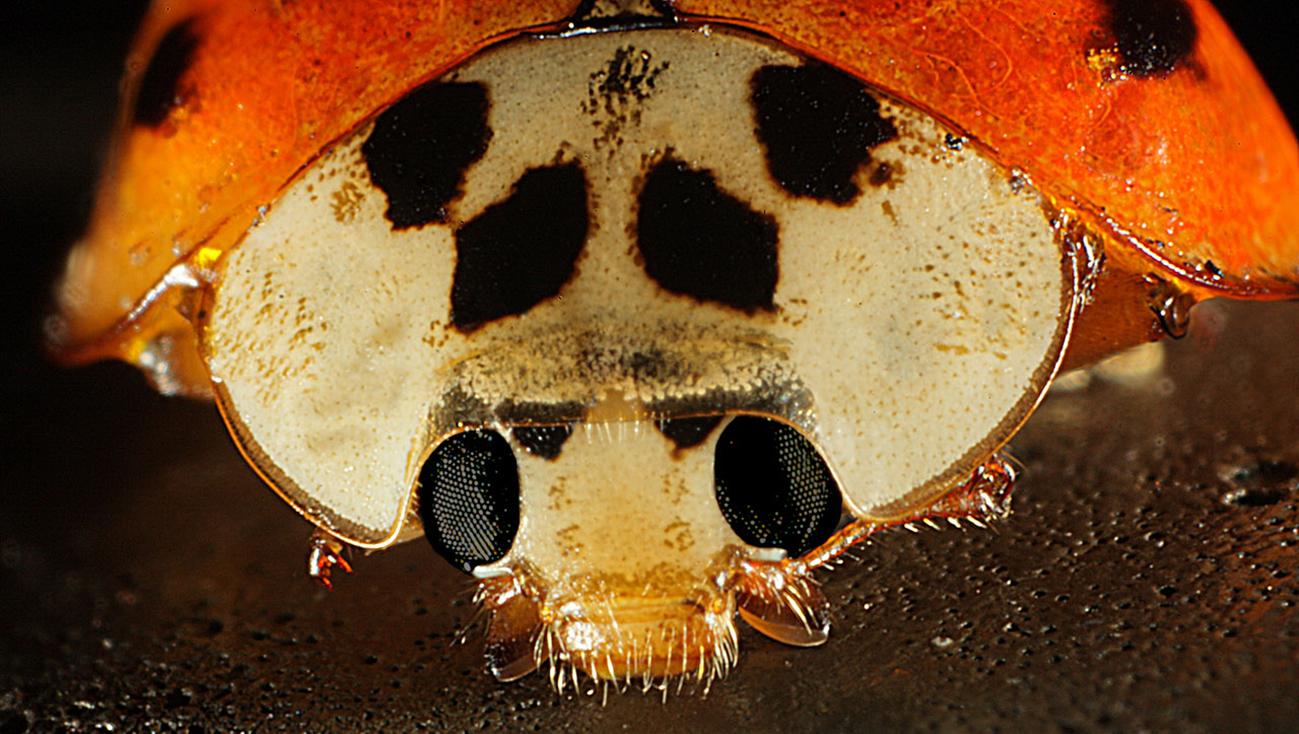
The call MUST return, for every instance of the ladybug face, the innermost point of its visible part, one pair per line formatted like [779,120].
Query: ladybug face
[640,311]
[619,315]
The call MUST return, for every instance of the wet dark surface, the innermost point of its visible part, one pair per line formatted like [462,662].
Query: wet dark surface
[149,582]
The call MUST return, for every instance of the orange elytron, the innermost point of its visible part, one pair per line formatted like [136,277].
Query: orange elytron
[641,311]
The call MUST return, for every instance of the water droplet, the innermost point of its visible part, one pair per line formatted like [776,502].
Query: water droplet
[1258,482]
[139,253]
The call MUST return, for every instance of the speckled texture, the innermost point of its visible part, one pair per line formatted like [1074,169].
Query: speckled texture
[149,582]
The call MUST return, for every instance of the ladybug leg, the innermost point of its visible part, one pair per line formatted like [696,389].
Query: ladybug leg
[514,629]
[326,552]
[781,599]
[984,496]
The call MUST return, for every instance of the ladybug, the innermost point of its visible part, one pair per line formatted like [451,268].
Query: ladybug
[641,311]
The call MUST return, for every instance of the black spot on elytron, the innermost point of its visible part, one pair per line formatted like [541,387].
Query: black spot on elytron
[1153,36]
[818,126]
[688,432]
[700,241]
[421,147]
[522,250]
[160,89]
[542,441]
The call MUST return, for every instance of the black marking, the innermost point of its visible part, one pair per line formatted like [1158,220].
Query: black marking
[1153,37]
[818,126]
[520,251]
[953,142]
[617,93]
[700,241]
[160,89]
[514,412]
[606,15]
[459,406]
[651,365]
[778,388]
[882,174]
[688,432]
[422,146]
[543,441]
[628,76]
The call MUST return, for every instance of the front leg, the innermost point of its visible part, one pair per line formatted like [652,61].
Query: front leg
[326,552]
[781,599]
[983,496]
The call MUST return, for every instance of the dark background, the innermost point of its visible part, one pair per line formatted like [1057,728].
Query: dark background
[148,581]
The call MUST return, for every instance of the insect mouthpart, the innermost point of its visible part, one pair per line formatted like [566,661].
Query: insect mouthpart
[643,539]
[617,635]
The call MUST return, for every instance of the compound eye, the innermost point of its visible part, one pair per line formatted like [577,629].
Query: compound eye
[469,498]
[773,487]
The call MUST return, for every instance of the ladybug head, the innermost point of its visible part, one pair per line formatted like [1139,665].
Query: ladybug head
[618,540]
[625,322]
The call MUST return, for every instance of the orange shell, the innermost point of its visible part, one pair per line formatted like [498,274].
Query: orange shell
[1194,174]
[1196,169]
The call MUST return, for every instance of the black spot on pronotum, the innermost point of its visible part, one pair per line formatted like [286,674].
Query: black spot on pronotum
[688,432]
[468,496]
[160,89]
[628,76]
[881,175]
[649,364]
[543,441]
[818,126]
[700,241]
[773,488]
[522,250]
[603,14]
[1153,37]
[421,147]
